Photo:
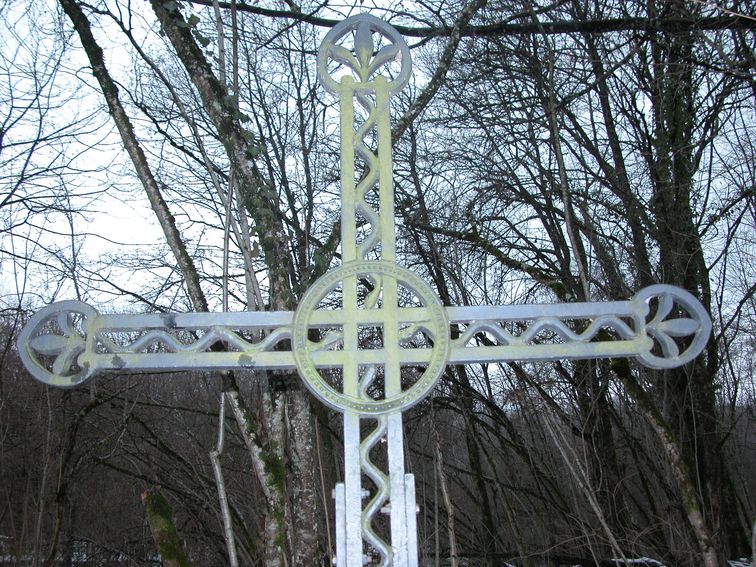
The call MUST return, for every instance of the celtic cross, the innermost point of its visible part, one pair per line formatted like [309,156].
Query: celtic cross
[370,338]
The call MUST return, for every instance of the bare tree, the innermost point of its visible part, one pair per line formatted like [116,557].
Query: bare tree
[570,151]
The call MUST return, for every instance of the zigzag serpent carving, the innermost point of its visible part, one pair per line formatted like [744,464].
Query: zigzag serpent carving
[368,181]
[370,243]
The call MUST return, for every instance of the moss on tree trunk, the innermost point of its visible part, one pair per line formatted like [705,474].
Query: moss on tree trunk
[160,520]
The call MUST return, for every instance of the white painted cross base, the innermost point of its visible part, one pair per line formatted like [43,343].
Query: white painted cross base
[384,335]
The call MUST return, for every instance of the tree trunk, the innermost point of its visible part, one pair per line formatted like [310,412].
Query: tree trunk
[679,467]
[160,520]
[125,129]
[689,392]
[284,411]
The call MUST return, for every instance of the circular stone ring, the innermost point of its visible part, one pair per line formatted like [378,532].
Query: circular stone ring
[431,313]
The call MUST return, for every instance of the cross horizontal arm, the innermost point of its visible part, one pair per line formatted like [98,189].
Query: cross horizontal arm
[69,342]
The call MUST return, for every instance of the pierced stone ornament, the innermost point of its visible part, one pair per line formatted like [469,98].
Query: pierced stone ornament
[668,332]
[370,338]
[54,343]
[362,57]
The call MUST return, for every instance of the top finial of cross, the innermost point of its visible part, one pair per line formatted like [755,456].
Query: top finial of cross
[363,57]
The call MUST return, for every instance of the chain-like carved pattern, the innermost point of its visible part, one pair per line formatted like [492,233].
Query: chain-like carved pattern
[160,339]
[675,335]
[544,325]
[369,180]
[69,342]
[372,91]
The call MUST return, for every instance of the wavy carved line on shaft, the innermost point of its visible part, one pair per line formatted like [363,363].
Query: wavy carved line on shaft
[369,179]
[382,493]
[376,475]
[216,334]
[547,324]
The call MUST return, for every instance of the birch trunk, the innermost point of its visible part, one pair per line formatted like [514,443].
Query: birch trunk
[289,410]
[303,501]
[267,464]
[444,485]
[123,123]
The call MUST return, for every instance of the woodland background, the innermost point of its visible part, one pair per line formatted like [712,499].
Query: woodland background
[545,151]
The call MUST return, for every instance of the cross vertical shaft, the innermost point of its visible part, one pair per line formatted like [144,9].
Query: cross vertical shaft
[378,242]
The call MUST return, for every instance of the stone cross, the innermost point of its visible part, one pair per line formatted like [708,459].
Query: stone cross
[370,338]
